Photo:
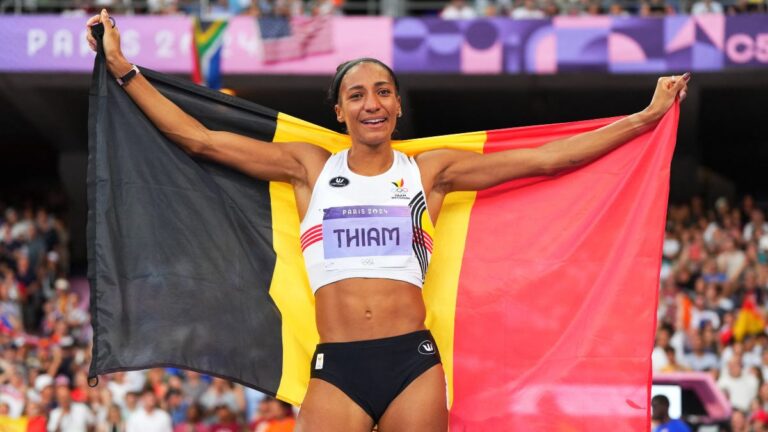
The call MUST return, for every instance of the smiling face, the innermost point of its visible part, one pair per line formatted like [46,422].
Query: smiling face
[369,104]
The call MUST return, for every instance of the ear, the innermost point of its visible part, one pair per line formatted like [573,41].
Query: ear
[339,115]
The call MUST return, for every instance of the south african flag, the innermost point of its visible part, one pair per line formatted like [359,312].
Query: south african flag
[207,41]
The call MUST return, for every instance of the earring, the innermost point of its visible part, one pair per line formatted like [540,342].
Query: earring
[400,114]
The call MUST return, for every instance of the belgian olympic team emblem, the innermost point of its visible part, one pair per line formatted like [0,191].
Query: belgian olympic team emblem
[339,181]
[399,191]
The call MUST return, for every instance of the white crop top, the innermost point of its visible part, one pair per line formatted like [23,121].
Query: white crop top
[367,226]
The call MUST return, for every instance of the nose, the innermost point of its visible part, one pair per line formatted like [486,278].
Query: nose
[372,103]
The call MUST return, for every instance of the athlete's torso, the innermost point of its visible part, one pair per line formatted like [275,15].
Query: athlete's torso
[367,226]
[367,276]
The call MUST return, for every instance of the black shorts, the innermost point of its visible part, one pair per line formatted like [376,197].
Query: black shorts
[373,372]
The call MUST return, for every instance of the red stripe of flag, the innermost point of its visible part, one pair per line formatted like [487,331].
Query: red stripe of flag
[555,310]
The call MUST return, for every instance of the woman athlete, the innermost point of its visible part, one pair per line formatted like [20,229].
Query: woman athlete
[364,250]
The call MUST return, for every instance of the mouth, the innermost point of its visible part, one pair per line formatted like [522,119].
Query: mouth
[374,122]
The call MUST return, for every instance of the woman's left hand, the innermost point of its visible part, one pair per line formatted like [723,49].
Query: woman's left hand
[667,89]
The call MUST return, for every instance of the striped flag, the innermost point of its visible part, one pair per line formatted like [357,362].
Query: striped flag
[749,320]
[207,41]
[541,293]
[297,37]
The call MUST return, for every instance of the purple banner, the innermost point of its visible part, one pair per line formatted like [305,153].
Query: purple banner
[48,43]
[486,46]
[564,44]
[52,43]
[746,42]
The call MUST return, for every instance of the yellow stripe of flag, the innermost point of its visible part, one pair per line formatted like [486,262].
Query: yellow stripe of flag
[290,286]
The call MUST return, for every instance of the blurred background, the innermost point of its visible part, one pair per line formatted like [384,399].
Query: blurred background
[463,66]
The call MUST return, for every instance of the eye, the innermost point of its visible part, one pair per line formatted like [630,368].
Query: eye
[355,96]
[385,92]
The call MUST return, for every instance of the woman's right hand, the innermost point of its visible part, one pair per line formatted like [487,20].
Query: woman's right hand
[110,41]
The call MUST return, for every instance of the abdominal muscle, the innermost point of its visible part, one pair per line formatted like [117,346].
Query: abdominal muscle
[362,309]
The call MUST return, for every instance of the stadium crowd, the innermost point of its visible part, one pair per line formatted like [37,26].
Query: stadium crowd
[45,336]
[452,9]
[712,302]
[711,316]
[538,9]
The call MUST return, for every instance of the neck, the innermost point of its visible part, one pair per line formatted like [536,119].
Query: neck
[369,161]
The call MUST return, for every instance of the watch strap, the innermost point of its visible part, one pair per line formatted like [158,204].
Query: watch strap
[123,80]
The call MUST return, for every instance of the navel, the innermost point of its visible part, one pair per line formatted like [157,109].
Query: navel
[368,314]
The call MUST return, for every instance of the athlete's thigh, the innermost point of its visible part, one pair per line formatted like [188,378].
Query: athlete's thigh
[328,409]
[420,407]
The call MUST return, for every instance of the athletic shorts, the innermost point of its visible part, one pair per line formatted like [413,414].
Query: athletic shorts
[374,372]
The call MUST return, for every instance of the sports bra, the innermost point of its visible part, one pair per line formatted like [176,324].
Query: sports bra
[367,226]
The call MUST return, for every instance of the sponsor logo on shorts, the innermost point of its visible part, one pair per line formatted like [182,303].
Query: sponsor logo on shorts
[339,181]
[319,361]
[427,348]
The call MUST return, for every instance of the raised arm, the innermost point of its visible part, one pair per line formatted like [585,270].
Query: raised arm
[291,162]
[454,170]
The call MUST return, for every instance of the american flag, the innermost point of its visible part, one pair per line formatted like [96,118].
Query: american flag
[296,37]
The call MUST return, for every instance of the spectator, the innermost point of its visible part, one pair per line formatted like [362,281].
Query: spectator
[36,421]
[739,422]
[672,364]
[176,406]
[528,10]
[219,393]
[740,386]
[193,421]
[225,420]
[617,10]
[707,7]
[114,421]
[660,416]
[658,356]
[274,416]
[149,418]
[69,416]
[457,10]
[698,359]
[656,8]
[550,8]
[757,217]
[194,387]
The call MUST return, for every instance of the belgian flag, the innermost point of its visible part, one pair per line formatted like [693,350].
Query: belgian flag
[541,292]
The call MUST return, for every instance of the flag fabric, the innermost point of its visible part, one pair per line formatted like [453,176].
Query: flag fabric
[207,42]
[296,37]
[9,424]
[541,293]
[749,320]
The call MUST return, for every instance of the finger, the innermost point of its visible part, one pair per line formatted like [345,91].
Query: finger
[93,20]
[106,22]
[681,83]
[683,95]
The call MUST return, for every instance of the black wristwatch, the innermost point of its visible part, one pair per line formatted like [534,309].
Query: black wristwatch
[123,80]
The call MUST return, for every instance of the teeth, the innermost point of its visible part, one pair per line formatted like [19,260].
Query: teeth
[373,121]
